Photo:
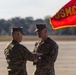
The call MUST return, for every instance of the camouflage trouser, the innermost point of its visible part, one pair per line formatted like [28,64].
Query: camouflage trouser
[44,72]
[17,73]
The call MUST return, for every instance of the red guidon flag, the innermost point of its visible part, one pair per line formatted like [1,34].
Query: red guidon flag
[65,17]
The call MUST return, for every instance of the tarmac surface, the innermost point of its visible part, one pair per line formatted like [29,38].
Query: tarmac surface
[65,64]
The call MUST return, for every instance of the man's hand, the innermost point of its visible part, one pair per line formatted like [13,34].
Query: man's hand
[37,53]
[35,60]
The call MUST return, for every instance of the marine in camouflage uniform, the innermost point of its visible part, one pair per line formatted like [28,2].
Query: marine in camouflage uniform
[17,56]
[49,49]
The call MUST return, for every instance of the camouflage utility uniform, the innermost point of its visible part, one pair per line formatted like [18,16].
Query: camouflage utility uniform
[16,56]
[49,49]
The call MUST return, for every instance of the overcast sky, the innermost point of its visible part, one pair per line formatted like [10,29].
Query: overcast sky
[26,8]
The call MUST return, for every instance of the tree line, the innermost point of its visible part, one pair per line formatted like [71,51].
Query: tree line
[28,25]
